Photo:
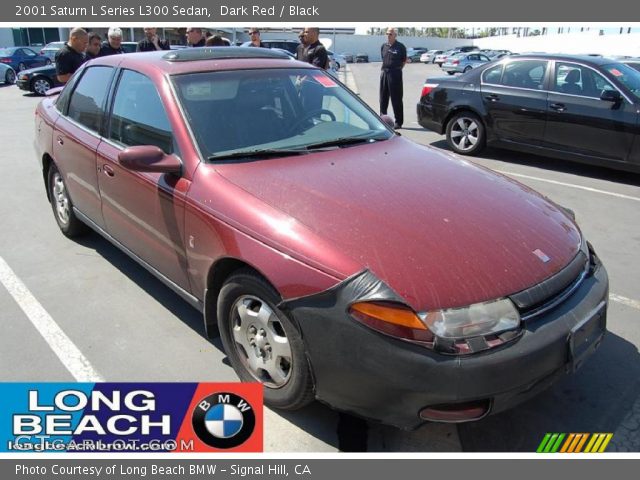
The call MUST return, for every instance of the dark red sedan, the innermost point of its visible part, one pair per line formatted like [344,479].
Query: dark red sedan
[337,260]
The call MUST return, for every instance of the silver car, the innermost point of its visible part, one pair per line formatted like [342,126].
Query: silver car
[463,62]
[7,74]
[430,56]
[442,57]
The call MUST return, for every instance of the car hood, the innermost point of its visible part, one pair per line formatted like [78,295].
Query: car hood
[439,230]
[47,69]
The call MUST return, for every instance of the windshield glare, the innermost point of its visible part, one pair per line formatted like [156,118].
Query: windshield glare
[626,75]
[272,109]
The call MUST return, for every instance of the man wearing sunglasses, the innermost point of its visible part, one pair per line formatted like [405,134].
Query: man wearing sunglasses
[254,33]
[394,57]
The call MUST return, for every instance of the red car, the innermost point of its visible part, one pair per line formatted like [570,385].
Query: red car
[337,260]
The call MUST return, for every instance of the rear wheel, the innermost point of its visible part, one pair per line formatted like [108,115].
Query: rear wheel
[62,207]
[21,67]
[466,133]
[47,62]
[262,344]
[40,85]
[451,73]
[467,69]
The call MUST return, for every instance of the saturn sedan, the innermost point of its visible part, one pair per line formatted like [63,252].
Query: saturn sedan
[336,259]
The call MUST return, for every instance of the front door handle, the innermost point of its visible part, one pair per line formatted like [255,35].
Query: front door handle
[558,107]
[493,97]
[108,170]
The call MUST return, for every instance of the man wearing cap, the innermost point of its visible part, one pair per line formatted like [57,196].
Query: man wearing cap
[394,57]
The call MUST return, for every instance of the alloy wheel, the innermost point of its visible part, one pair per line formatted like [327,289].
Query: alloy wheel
[40,86]
[261,342]
[465,133]
[61,198]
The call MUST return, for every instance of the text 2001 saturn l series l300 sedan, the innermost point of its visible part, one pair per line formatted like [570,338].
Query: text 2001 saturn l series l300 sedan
[338,260]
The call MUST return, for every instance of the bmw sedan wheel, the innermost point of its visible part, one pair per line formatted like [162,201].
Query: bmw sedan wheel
[467,69]
[262,343]
[62,207]
[41,85]
[21,67]
[47,62]
[465,133]
[10,76]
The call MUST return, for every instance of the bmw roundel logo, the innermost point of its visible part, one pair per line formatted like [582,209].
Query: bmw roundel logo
[223,420]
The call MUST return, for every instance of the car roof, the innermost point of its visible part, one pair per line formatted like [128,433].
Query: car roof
[586,59]
[203,59]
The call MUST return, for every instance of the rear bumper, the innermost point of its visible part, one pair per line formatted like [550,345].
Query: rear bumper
[375,376]
[427,117]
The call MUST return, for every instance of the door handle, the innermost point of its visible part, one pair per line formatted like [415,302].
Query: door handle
[108,171]
[60,141]
[493,97]
[558,107]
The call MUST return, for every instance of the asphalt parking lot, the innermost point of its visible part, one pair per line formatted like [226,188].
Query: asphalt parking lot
[126,326]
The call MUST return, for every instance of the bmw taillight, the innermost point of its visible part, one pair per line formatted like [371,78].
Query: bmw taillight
[5,60]
[427,88]
[456,62]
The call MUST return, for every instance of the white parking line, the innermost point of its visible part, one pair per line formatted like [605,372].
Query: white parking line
[70,356]
[571,185]
[625,301]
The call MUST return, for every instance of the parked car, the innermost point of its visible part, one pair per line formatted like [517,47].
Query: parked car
[632,62]
[414,54]
[50,50]
[290,45]
[348,57]
[442,57]
[7,74]
[577,108]
[129,47]
[468,48]
[336,59]
[21,58]
[280,234]
[38,80]
[463,62]
[496,54]
[362,58]
[430,56]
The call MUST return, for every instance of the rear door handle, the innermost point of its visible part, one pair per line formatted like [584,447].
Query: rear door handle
[108,170]
[558,107]
[493,97]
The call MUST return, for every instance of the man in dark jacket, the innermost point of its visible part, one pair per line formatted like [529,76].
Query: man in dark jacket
[195,37]
[93,48]
[394,57]
[113,45]
[151,42]
[254,33]
[315,53]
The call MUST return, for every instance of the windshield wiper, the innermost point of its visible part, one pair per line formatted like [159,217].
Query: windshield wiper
[343,141]
[259,152]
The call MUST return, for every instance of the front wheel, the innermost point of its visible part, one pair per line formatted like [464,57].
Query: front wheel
[10,76]
[466,133]
[62,207]
[262,344]
[40,85]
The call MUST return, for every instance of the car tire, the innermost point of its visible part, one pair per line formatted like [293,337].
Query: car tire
[40,85]
[451,73]
[10,77]
[47,62]
[466,133]
[21,67]
[466,69]
[62,206]
[250,325]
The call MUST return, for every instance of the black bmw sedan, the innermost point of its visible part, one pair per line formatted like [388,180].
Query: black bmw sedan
[572,107]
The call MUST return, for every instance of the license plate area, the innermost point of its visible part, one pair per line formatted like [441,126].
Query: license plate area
[585,336]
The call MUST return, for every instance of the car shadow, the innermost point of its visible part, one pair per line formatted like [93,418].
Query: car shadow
[596,399]
[316,419]
[550,164]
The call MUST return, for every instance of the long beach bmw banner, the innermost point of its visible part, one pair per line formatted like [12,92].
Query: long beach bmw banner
[131,417]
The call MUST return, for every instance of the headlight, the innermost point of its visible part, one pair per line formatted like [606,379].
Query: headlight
[478,319]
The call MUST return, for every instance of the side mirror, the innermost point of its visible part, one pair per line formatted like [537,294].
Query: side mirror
[611,96]
[388,121]
[149,158]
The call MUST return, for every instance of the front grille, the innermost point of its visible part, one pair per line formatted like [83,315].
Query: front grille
[550,292]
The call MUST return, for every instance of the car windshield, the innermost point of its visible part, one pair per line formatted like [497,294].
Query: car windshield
[273,110]
[626,75]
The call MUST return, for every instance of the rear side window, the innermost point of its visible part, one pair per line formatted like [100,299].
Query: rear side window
[525,74]
[87,100]
[492,75]
[138,116]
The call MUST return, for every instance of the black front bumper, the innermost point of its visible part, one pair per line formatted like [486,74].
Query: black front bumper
[368,374]
[24,84]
